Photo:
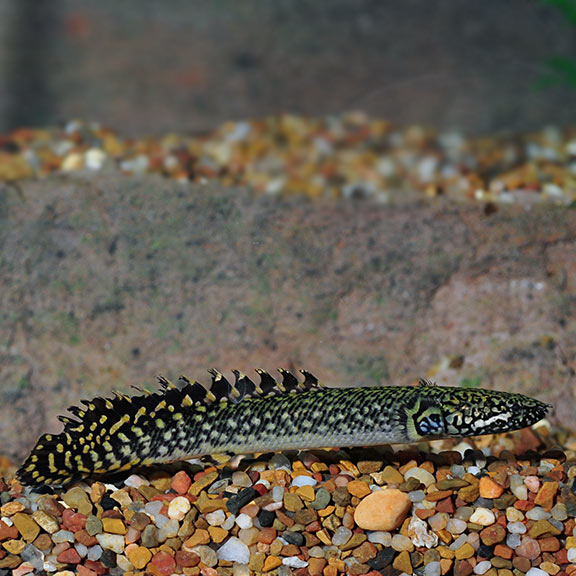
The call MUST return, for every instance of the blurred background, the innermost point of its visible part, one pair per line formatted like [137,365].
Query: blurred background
[185,184]
[144,66]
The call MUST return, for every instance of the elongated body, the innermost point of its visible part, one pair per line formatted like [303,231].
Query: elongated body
[181,422]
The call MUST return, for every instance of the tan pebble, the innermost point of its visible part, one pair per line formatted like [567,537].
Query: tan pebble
[465,551]
[541,528]
[326,511]
[324,537]
[199,537]
[358,488]
[202,483]
[349,467]
[391,475]
[14,546]
[546,495]
[355,541]
[217,534]
[276,548]
[97,491]
[383,510]
[46,522]
[446,552]
[316,566]
[256,562]
[211,505]
[139,557]
[114,526]
[292,502]
[306,493]
[271,563]
[77,499]
[402,562]
[26,526]
[550,568]
[489,488]
[11,508]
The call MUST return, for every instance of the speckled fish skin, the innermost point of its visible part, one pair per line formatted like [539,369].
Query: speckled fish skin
[181,423]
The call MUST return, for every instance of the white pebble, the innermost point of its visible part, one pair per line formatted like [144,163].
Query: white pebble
[482,567]
[123,563]
[277,493]
[94,552]
[168,530]
[423,476]
[513,541]
[234,550]
[81,549]
[456,526]
[432,569]
[303,480]
[216,518]
[114,542]
[459,542]
[538,513]
[241,479]
[229,522]
[62,536]
[153,508]
[136,481]
[518,487]
[571,554]
[457,470]
[240,569]
[438,521]
[462,447]
[483,516]
[95,158]
[294,562]
[517,528]
[244,521]
[379,537]
[559,512]
[178,508]
[536,572]
[417,495]
[514,515]
[341,536]
[401,543]
[474,470]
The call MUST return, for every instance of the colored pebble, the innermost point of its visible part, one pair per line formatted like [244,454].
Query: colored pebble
[382,510]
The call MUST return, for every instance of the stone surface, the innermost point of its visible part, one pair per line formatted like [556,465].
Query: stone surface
[518,257]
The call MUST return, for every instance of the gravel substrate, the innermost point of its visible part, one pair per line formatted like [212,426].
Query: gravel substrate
[446,508]
[339,156]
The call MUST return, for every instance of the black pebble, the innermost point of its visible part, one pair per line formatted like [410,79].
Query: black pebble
[241,499]
[266,518]
[485,551]
[383,559]
[108,503]
[108,558]
[293,538]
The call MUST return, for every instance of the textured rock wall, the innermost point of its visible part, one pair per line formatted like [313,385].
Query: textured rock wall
[110,281]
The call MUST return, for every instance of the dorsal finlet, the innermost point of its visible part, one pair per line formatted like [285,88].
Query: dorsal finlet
[166,384]
[426,382]
[310,381]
